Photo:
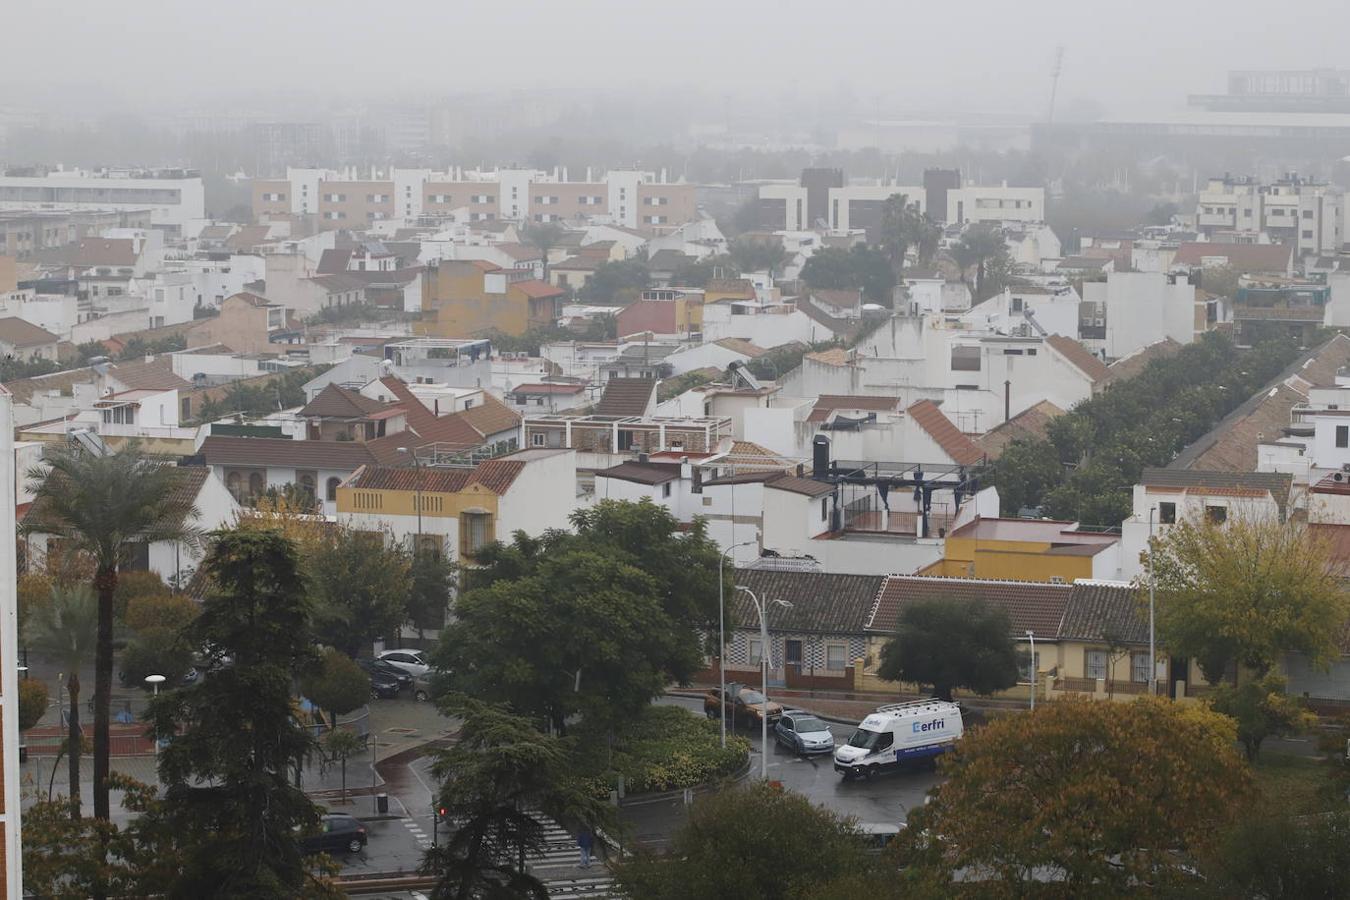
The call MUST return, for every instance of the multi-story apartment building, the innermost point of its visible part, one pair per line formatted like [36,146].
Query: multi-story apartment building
[25,232]
[844,207]
[10,858]
[1305,214]
[175,197]
[633,199]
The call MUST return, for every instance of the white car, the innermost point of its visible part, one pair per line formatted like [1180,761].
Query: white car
[410,661]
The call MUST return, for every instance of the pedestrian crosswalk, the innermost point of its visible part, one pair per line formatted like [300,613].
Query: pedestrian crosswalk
[418,832]
[598,888]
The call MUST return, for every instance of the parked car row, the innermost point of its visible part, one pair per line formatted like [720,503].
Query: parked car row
[394,670]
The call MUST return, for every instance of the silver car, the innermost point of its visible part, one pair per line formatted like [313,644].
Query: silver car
[803,733]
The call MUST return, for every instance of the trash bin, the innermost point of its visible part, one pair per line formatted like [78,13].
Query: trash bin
[382,804]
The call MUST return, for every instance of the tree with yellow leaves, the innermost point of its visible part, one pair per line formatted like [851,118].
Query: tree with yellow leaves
[1246,593]
[1082,798]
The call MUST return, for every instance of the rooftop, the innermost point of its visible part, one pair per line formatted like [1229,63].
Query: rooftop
[821,603]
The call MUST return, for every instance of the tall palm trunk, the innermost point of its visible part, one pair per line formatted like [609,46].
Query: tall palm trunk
[105,582]
[73,742]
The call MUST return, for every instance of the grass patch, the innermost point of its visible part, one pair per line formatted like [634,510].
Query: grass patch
[661,748]
[1295,783]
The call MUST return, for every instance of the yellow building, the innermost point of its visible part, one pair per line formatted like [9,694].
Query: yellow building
[1027,550]
[470,298]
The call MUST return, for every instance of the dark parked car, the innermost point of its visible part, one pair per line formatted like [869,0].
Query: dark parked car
[386,670]
[338,833]
[382,686]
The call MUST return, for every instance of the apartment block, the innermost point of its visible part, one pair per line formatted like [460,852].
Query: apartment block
[633,199]
[1305,214]
[175,197]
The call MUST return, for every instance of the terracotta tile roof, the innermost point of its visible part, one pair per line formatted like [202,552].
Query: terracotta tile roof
[642,473]
[1223,483]
[425,427]
[742,346]
[334,261]
[497,475]
[1100,610]
[798,485]
[839,299]
[346,456]
[536,289]
[1080,356]
[835,356]
[962,450]
[828,403]
[1030,605]
[248,237]
[519,252]
[1329,485]
[626,397]
[821,603]
[24,389]
[576,264]
[339,283]
[547,388]
[20,333]
[1030,424]
[1137,362]
[93,252]
[155,375]
[749,455]
[337,402]
[840,327]
[1242,257]
[1231,444]
[490,417]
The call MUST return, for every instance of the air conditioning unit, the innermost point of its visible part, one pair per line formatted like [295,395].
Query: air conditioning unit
[1345,467]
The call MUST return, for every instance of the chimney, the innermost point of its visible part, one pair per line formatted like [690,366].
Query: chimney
[642,458]
[686,470]
[820,456]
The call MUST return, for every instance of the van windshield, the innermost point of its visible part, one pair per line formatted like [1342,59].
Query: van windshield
[867,740]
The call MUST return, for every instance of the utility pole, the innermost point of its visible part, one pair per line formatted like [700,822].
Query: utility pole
[1054,82]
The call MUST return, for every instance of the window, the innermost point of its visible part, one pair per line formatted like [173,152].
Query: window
[836,657]
[255,484]
[331,492]
[307,486]
[1307,232]
[1094,664]
[1343,435]
[824,508]
[234,483]
[756,651]
[665,489]
[1307,214]
[475,532]
[625,439]
[1017,304]
[1216,515]
[1167,513]
[965,359]
[537,439]
[1139,668]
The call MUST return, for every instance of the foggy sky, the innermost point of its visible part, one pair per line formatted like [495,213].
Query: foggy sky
[973,56]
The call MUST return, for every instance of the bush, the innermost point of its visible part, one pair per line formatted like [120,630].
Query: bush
[172,611]
[337,684]
[32,702]
[661,748]
[156,651]
[136,584]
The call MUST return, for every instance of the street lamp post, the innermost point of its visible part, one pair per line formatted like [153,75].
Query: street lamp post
[155,681]
[1152,647]
[1031,635]
[722,639]
[763,678]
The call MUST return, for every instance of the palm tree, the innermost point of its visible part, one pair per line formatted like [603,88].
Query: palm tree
[103,505]
[65,631]
[543,236]
[904,226]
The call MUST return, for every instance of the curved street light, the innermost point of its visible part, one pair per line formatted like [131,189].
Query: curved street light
[763,678]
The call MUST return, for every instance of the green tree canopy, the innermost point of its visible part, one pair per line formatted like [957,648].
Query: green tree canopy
[1261,709]
[598,620]
[617,282]
[983,248]
[752,843]
[336,684]
[952,643]
[32,702]
[1098,797]
[360,586]
[1278,855]
[432,581]
[758,253]
[1246,593]
[904,227]
[494,782]
[228,791]
[860,267]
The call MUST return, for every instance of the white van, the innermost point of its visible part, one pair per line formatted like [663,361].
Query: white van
[900,733]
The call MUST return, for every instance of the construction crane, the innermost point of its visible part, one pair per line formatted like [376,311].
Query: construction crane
[1054,81]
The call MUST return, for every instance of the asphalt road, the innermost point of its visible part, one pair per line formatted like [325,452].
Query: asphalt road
[885,798]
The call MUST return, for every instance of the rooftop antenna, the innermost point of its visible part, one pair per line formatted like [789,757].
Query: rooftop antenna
[1054,81]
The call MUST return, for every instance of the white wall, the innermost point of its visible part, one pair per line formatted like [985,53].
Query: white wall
[700,355]
[1142,308]
[216,508]
[542,496]
[9,685]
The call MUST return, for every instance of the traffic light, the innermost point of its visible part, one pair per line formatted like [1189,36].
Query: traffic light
[441,813]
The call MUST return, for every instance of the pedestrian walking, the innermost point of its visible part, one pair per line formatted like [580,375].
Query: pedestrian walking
[585,840]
